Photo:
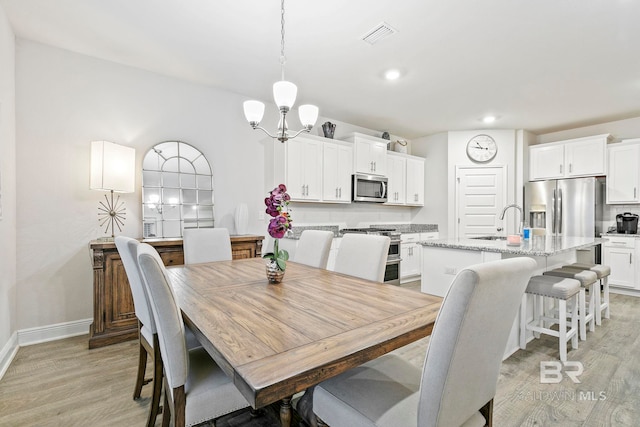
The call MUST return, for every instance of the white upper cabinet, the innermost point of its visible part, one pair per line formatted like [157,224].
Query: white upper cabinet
[304,169]
[546,162]
[370,154]
[569,159]
[397,174]
[623,177]
[336,172]
[415,181]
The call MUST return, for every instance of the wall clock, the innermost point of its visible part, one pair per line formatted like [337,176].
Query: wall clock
[482,148]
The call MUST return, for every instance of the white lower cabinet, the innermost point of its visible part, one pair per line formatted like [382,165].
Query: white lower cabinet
[619,253]
[411,255]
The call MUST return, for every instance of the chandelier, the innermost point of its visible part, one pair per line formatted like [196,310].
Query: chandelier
[284,94]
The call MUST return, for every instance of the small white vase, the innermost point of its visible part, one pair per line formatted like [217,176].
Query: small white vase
[241,218]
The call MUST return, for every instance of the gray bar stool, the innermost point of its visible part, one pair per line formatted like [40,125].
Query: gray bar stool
[562,290]
[602,301]
[587,280]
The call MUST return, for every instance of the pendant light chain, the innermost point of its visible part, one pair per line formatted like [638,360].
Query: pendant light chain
[282,57]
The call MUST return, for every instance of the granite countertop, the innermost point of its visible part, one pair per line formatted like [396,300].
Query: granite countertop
[409,228]
[614,234]
[536,246]
[296,231]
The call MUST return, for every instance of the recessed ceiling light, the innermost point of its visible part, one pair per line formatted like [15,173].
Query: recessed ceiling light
[489,119]
[392,74]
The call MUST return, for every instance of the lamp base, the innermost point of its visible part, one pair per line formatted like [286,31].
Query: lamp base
[105,239]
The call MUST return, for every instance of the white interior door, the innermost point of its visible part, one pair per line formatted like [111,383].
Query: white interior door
[480,197]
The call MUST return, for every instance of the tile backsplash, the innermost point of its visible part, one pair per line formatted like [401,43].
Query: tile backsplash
[610,211]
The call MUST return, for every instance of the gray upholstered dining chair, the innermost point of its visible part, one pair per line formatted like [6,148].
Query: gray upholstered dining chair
[313,248]
[196,389]
[206,245]
[363,255]
[147,334]
[459,377]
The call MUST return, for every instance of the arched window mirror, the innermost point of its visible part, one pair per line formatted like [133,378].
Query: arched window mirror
[177,190]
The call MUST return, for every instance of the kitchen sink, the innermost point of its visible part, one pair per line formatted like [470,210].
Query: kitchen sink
[489,238]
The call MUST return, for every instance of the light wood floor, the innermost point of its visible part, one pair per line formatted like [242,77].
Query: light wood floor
[62,383]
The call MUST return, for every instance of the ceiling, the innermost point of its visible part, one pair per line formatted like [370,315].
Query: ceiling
[540,65]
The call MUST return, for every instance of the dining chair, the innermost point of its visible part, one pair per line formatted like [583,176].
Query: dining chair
[459,377]
[363,256]
[147,333]
[206,245]
[195,388]
[313,248]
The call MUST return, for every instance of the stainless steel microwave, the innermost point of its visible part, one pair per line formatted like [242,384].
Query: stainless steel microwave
[369,188]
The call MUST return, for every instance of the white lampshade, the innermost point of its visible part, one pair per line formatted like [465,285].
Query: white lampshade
[284,93]
[113,167]
[253,111]
[308,115]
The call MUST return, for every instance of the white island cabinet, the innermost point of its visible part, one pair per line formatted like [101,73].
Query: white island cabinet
[442,259]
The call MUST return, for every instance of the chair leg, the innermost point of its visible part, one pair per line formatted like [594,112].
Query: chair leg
[166,411]
[142,367]
[157,384]
[487,413]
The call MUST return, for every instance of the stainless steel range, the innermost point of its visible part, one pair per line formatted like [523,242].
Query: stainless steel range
[392,270]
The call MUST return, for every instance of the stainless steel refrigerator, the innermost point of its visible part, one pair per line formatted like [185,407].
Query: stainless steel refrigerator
[565,207]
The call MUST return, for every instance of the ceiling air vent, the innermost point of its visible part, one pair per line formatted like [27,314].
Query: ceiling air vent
[379,32]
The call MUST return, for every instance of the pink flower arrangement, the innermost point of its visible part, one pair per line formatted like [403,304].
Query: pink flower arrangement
[278,208]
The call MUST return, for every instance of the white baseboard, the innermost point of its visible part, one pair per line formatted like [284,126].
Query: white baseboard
[53,332]
[7,353]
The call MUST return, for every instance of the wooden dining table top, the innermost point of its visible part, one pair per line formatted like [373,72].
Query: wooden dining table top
[277,340]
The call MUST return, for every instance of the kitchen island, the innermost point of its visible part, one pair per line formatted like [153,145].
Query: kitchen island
[442,259]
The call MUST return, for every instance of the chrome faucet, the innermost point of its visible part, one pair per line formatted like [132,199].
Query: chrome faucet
[514,205]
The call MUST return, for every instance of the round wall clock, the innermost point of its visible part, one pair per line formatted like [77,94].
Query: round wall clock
[482,148]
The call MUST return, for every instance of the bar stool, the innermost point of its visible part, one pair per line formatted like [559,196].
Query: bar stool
[560,289]
[587,280]
[602,301]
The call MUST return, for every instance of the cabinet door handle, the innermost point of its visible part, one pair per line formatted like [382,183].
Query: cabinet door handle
[336,192]
[630,254]
[560,168]
[371,166]
[303,189]
[340,193]
[374,166]
[570,167]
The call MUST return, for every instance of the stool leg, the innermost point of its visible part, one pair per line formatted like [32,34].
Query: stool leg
[592,305]
[562,329]
[574,326]
[523,322]
[598,303]
[581,313]
[538,311]
[605,285]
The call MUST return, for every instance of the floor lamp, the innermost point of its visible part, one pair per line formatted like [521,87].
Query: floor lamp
[112,170]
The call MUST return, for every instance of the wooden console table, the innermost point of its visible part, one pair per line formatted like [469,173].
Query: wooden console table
[114,318]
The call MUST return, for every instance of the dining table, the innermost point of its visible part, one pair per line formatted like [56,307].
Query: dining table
[276,340]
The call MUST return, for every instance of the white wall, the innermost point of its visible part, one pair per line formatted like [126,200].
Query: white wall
[8,306]
[434,149]
[506,156]
[64,101]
